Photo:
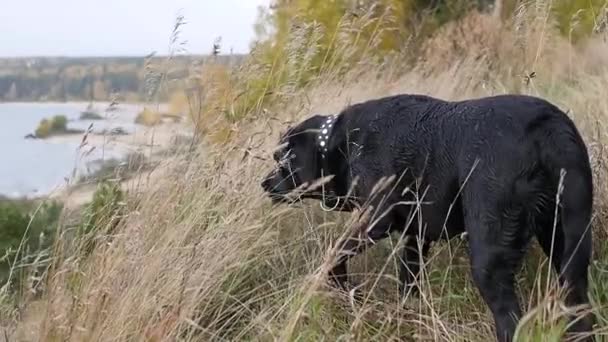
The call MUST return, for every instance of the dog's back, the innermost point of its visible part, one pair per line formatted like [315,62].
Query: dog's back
[510,159]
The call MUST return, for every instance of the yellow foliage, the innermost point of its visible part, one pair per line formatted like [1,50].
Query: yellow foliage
[44,128]
[216,78]
[212,104]
[577,19]
[148,117]
[178,103]
[302,41]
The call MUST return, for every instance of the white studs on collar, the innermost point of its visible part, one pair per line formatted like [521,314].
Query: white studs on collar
[325,132]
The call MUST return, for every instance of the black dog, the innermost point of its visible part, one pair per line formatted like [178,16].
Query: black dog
[496,168]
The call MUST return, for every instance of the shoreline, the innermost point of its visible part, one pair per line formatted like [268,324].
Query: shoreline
[97,150]
[151,141]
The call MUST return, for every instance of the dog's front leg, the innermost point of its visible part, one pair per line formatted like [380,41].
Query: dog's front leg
[351,247]
[361,237]
[414,253]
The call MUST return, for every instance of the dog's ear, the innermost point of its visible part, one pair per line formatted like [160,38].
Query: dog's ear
[313,123]
[304,128]
[286,133]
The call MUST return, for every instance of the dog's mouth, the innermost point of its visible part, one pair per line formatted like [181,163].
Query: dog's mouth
[282,195]
[290,197]
[280,199]
[293,197]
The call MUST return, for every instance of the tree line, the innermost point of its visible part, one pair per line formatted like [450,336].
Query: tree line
[90,79]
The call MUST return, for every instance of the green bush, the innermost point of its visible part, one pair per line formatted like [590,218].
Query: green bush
[89,115]
[44,128]
[300,40]
[25,229]
[59,123]
[102,214]
[47,127]
[577,19]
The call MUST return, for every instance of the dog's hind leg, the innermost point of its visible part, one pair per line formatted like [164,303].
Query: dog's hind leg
[414,251]
[576,207]
[550,238]
[498,237]
[566,240]
[494,265]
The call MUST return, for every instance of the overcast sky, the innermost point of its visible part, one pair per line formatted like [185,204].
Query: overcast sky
[121,27]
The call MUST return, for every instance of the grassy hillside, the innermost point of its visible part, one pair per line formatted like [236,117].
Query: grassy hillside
[202,255]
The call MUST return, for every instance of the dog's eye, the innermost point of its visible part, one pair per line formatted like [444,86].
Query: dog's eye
[276,156]
[287,156]
[280,152]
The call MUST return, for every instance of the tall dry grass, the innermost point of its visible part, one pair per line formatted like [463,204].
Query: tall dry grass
[203,255]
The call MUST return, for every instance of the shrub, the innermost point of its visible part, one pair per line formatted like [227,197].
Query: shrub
[44,128]
[59,123]
[47,127]
[299,41]
[25,230]
[102,214]
[148,117]
[89,115]
[116,168]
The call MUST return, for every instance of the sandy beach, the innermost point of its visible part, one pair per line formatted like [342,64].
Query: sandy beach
[152,141]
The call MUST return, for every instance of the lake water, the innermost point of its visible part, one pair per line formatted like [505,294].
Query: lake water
[32,167]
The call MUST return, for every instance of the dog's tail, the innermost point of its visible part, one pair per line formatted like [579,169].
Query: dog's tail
[565,157]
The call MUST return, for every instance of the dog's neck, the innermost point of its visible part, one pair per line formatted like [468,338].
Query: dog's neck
[325,131]
[323,141]
[326,149]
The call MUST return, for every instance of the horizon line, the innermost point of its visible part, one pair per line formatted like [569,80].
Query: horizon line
[121,56]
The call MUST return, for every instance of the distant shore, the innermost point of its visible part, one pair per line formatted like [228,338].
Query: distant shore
[152,141]
[97,146]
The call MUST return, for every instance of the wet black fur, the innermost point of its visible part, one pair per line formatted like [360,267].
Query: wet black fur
[494,161]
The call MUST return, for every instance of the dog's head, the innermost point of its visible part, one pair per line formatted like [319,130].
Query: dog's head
[300,159]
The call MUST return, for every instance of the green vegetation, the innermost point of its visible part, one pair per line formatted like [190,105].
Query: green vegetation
[90,115]
[119,168]
[102,214]
[578,19]
[58,124]
[44,128]
[300,42]
[26,230]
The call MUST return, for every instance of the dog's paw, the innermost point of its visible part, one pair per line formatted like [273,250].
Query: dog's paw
[408,293]
[348,289]
[355,294]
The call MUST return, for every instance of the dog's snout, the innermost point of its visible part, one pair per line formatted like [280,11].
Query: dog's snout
[266,184]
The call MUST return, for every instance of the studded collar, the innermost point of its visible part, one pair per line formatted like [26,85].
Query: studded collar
[324,135]
[328,192]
